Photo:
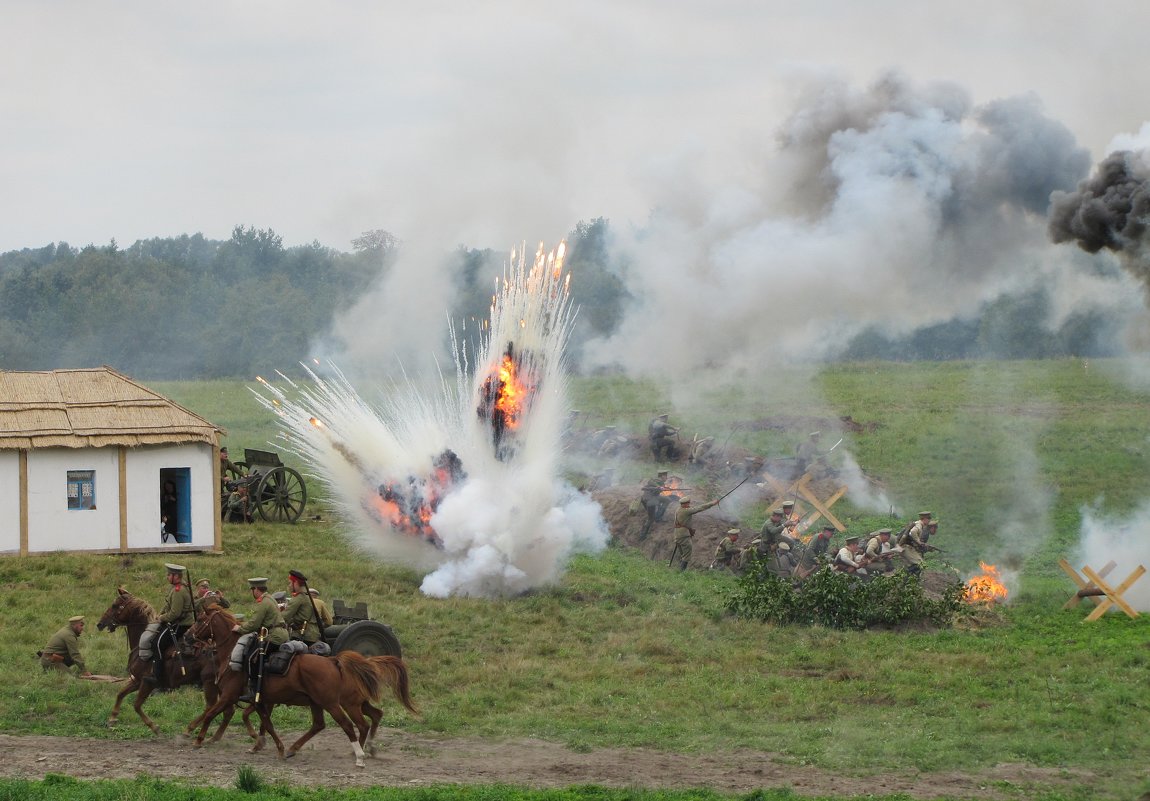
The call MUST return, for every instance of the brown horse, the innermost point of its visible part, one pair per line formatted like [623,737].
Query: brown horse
[134,614]
[342,685]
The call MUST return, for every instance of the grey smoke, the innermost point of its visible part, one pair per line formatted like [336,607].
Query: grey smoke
[898,205]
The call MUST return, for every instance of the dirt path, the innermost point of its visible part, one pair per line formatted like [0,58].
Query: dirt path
[409,760]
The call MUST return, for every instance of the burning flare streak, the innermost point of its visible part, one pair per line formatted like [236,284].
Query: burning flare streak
[464,485]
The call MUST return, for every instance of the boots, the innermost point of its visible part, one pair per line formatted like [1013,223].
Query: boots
[682,565]
[249,695]
[156,677]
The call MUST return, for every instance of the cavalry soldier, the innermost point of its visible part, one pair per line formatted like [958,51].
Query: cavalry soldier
[301,613]
[848,560]
[206,595]
[176,616]
[654,501]
[321,608]
[727,552]
[63,648]
[684,532]
[265,616]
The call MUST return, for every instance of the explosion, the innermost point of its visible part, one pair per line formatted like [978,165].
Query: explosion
[465,484]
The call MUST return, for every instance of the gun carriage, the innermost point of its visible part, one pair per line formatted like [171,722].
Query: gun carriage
[276,492]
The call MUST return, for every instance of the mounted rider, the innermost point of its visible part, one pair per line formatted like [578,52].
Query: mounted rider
[265,617]
[176,617]
[301,614]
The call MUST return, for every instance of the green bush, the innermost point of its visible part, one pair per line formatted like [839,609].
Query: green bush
[840,601]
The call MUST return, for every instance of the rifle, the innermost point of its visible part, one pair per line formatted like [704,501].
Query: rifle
[927,547]
[314,611]
[261,643]
[179,647]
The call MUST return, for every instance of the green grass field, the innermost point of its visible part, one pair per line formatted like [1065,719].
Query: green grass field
[623,652]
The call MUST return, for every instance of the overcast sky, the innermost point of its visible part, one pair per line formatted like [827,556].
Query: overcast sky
[488,122]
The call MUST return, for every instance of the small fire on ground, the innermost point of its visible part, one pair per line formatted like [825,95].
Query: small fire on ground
[986,587]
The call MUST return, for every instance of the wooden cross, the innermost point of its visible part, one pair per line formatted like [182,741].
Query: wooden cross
[1094,586]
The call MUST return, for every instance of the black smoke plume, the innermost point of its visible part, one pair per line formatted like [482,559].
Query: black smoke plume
[1108,210]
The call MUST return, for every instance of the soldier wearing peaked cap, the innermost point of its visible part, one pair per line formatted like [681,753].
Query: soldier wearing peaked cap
[654,501]
[300,614]
[206,595]
[63,648]
[913,542]
[264,617]
[727,552]
[878,550]
[176,616]
[684,531]
[848,559]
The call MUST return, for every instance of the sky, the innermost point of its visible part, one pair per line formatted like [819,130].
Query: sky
[479,123]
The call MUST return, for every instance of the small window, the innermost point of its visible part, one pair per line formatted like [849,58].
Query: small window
[81,489]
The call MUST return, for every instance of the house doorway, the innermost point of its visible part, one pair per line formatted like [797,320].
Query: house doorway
[175,505]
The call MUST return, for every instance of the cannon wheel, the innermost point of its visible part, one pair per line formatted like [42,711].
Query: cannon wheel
[369,638]
[281,495]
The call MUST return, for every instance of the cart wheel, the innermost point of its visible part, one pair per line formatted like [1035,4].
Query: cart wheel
[281,495]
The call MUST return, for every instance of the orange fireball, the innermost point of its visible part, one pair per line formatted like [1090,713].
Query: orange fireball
[987,587]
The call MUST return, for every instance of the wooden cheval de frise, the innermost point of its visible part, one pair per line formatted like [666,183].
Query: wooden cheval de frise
[802,488]
[1093,585]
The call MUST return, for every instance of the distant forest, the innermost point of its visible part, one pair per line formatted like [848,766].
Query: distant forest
[191,308]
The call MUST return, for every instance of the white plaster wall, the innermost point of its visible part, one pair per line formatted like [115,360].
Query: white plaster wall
[9,500]
[143,474]
[52,526]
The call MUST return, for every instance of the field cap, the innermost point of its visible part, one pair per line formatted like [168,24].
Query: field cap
[260,582]
[932,523]
[925,514]
[685,502]
[203,583]
[852,540]
[313,591]
[788,503]
[884,531]
[661,473]
[828,527]
[172,568]
[734,531]
[76,619]
[298,576]
[778,511]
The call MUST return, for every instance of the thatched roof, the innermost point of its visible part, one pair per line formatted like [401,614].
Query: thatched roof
[91,408]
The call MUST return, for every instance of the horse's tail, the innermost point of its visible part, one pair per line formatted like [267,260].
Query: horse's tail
[355,667]
[393,671]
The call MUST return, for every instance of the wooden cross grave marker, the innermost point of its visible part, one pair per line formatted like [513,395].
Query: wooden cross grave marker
[1094,586]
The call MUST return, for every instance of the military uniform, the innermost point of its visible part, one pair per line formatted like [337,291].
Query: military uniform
[300,617]
[684,532]
[846,561]
[727,551]
[63,649]
[176,616]
[913,543]
[266,615]
[807,453]
[662,435]
[817,547]
[878,551]
[654,501]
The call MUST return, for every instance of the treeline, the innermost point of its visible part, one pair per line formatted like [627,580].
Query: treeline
[188,307]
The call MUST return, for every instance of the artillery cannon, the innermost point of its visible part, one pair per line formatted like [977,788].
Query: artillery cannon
[354,630]
[275,491]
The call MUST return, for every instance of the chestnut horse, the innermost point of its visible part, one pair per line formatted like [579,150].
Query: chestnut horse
[134,614]
[342,685]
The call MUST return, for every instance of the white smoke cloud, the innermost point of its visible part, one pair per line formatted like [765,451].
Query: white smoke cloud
[1124,540]
[462,482]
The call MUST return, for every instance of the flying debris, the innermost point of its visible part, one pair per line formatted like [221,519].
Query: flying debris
[466,484]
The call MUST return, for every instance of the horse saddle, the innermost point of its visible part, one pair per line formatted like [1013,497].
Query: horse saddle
[276,662]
